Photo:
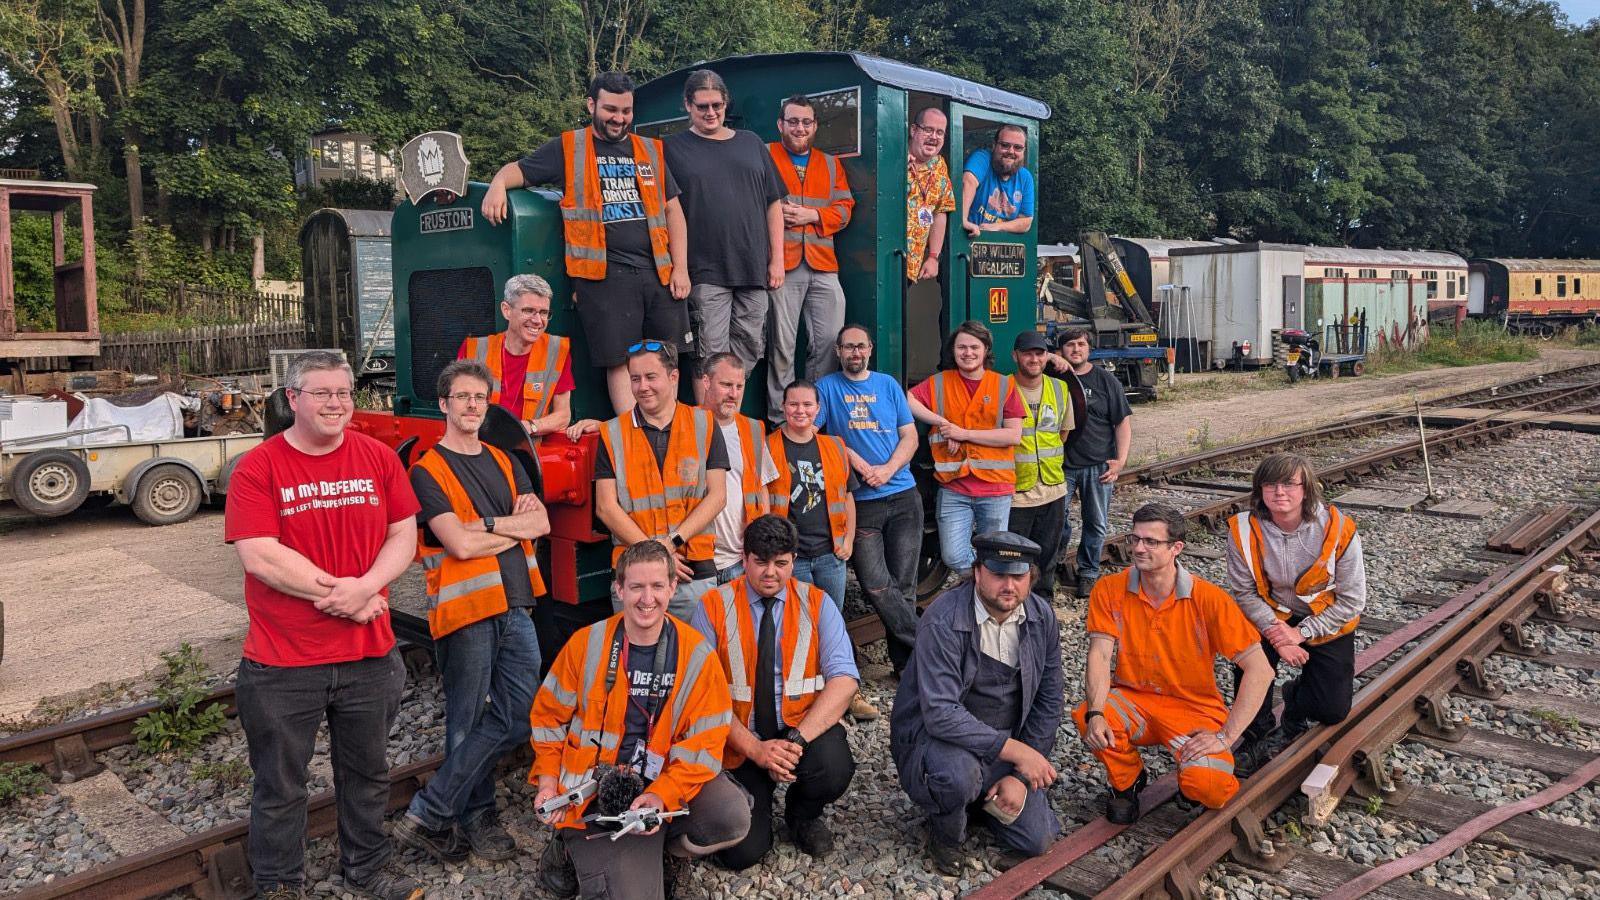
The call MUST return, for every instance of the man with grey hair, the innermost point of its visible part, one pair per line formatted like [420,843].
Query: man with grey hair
[323,520]
[531,368]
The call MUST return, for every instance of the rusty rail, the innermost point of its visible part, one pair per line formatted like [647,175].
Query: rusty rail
[66,749]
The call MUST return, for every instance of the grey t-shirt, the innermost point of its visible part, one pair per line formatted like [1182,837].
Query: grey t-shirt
[727,187]
[486,487]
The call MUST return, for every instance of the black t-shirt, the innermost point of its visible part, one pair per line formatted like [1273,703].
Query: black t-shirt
[659,438]
[1107,406]
[646,694]
[486,487]
[727,187]
[627,236]
[808,496]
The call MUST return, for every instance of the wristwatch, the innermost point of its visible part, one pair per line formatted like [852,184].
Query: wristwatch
[1091,714]
[678,543]
[488,524]
[794,736]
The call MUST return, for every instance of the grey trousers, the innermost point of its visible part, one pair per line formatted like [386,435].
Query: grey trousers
[817,298]
[630,867]
[730,318]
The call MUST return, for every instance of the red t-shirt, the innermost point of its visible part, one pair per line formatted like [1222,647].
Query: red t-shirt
[971,485]
[514,370]
[335,510]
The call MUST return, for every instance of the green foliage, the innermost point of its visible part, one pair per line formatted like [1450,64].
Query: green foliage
[180,724]
[228,774]
[1474,343]
[1556,720]
[351,193]
[1373,806]
[1588,336]
[18,780]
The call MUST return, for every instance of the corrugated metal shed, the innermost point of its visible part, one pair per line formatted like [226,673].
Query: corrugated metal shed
[357,222]
[1544,265]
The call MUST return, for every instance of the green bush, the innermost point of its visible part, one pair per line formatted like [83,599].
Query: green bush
[19,780]
[180,724]
[1474,343]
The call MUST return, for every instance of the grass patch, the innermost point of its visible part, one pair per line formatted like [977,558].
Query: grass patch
[1475,343]
[180,724]
[228,774]
[18,780]
[1587,336]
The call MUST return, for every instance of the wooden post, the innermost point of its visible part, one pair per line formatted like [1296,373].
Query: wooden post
[8,291]
[91,297]
[58,234]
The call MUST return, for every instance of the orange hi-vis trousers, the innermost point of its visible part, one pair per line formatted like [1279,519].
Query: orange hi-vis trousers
[1142,719]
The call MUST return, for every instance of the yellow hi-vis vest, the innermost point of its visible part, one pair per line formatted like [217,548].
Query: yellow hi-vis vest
[1041,457]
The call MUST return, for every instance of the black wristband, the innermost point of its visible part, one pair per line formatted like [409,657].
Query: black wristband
[794,736]
[488,524]
[1091,714]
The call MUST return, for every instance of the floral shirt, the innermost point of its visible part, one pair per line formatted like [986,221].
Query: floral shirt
[927,195]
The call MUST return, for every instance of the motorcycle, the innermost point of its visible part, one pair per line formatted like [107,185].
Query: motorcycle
[1302,358]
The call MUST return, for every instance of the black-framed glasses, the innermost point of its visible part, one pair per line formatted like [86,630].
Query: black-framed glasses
[853,347]
[799,123]
[651,346]
[1152,543]
[936,132]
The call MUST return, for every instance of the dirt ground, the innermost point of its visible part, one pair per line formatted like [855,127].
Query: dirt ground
[97,596]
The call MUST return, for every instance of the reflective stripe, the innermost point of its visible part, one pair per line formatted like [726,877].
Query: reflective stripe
[562,695]
[1131,718]
[1208,762]
[691,674]
[589,253]
[480,352]
[581,149]
[738,685]
[469,585]
[706,723]
[592,654]
[992,463]
[662,258]
[947,466]
[619,451]
[581,215]
[702,446]
[1027,457]
[1051,452]
[570,780]
[434,560]
[695,758]
[797,684]
[549,735]
[605,740]
[795,688]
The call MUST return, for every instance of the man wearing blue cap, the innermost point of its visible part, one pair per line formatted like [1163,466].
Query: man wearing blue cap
[979,705]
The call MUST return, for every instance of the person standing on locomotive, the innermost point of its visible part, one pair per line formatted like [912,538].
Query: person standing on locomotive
[663,475]
[817,207]
[1040,504]
[750,466]
[1096,456]
[479,521]
[626,242]
[975,418]
[323,519]
[1297,572]
[996,188]
[530,368]
[929,199]
[732,203]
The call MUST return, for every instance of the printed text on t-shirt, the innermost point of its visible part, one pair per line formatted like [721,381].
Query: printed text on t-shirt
[327,495]
[619,187]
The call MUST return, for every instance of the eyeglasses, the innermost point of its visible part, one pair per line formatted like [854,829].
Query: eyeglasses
[537,313]
[716,106]
[652,346]
[936,132]
[1007,145]
[1283,485]
[323,396]
[799,123]
[464,397]
[1152,543]
[854,347]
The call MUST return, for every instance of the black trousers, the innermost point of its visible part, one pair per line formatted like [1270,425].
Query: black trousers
[1321,694]
[822,777]
[1042,525]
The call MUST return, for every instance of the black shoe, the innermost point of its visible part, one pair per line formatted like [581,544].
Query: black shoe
[388,883]
[812,836]
[489,840]
[1122,807]
[947,859]
[1083,587]
[557,874]
[444,844]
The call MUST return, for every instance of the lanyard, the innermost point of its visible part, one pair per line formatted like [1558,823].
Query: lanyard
[655,696]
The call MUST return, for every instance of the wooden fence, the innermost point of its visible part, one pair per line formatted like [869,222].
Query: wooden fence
[202,350]
[217,305]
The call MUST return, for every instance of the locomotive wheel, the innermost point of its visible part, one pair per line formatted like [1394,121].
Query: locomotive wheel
[166,495]
[50,482]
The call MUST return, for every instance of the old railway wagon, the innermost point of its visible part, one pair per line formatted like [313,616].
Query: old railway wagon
[450,264]
[344,254]
[1535,294]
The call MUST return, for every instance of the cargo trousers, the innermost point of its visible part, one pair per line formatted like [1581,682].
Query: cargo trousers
[1145,719]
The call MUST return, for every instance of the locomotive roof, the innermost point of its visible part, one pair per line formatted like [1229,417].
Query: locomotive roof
[1544,265]
[359,222]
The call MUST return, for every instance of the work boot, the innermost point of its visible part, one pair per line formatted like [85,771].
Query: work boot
[489,839]
[388,883]
[557,874]
[861,710]
[1084,586]
[947,859]
[1122,807]
[280,891]
[443,844]
[812,836]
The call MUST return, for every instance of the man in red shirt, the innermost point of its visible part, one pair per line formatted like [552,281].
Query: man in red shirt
[532,368]
[323,520]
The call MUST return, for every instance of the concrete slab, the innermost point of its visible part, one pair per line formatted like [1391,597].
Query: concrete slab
[97,616]
[108,807]
[1461,509]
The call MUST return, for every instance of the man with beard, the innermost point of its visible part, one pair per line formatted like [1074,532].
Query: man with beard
[626,242]
[540,394]
[996,189]
[1166,628]
[750,467]
[976,716]
[929,200]
[869,411]
[1040,503]
[817,207]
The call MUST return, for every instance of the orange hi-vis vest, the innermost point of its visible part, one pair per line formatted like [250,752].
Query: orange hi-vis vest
[984,409]
[579,719]
[799,650]
[658,501]
[753,448]
[835,479]
[825,190]
[582,201]
[464,591]
[1316,586]
[547,356]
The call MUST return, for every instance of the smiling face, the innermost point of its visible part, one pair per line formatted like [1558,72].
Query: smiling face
[800,407]
[1010,148]
[855,350]
[1030,363]
[927,135]
[706,109]
[1153,551]
[611,114]
[319,409]
[527,316]
[654,386]
[644,590]
[797,127]
[968,353]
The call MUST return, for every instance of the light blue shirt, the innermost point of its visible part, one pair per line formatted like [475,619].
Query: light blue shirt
[998,199]
[835,656]
[868,415]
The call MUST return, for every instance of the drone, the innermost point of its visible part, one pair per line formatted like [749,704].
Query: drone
[634,821]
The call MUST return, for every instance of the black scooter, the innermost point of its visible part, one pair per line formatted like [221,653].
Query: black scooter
[1303,358]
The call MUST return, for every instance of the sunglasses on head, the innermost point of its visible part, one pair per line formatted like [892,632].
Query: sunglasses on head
[651,346]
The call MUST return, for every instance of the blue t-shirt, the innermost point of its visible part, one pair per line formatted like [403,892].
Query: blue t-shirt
[800,161]
[867,414]
[998,200]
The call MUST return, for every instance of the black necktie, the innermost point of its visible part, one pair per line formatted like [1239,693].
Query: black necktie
[766,703]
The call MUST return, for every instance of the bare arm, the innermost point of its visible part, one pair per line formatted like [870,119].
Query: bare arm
[775,268]
[282,568]
[969,190]
[849,525]
[1019,225]
[1252,690]
[707,510]
[1009,436]
[620,524]
[924,415]
[468,540]
[824,713]
[394,557]
[936,235]
[494,200]
[559,417]
[905,449]
[678,249]
[1124,441]
[1097,670]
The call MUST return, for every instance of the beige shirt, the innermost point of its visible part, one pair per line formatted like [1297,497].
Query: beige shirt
[1041,493]
[999,640]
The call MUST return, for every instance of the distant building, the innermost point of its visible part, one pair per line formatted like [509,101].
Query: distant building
[336,154]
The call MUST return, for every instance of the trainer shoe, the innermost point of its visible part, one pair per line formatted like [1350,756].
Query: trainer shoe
[812,836]
[489,839]
[861,710]
[443,844]
[557,874]
[388,883]
[1122,807]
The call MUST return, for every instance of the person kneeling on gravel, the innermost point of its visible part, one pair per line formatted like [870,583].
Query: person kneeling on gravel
[1296,569]
[640,693]
[1166,628]
[790,667]
[979,705]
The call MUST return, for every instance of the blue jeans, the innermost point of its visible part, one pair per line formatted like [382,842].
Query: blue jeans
[1096,500]
[826,572]
[961,517]
[490,670]
[730,573]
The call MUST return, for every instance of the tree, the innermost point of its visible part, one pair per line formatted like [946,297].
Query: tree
[52,43]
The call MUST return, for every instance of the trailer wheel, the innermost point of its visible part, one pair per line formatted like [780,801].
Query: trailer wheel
[166,495]
[1358,368]
[50,482]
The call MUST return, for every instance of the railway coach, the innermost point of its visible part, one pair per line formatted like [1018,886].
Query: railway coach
[1535,294]
[450,263]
